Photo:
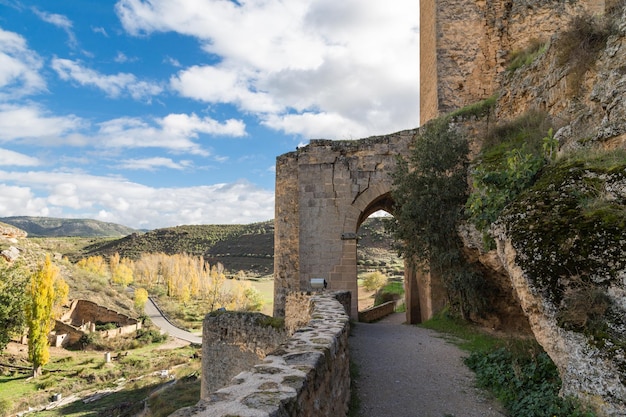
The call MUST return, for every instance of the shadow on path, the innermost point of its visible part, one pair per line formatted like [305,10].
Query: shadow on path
[409,371]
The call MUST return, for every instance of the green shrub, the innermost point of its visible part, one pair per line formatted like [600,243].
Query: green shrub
[100,326]
[373,281]
[478,109]
[496,185]
[527,384]
[148,336]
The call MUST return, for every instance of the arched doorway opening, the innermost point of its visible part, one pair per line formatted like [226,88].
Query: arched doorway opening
[423,294]
[380,271]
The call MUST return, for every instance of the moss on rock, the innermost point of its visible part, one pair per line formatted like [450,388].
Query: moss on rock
[569,233]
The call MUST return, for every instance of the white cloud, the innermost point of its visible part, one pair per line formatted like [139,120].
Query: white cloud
[11,158]
[29,121]
[174,132]
[19,67]
[317,125]
[113,85]
[152,164]
[346,60]
[121,58]
[190,125]
[115,199]
[100,30]
[220,85]
[172,61]
[59,21]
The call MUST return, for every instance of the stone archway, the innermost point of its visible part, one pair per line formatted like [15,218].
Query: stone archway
[324,191]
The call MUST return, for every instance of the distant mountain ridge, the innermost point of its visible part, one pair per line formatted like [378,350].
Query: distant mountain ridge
[58,227]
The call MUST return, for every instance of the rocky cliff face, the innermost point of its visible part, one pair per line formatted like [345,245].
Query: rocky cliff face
[563,242]
[585,99]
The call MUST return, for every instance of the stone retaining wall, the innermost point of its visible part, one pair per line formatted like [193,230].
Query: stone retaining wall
[307,376]
[377,312]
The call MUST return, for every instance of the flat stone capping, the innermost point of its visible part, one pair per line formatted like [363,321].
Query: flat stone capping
[307,376]
[377,312]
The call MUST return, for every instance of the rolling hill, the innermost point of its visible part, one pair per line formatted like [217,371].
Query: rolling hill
[248,248]
[55,227]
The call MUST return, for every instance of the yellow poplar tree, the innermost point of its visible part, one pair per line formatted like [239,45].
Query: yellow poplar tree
[114,262]
[41,297]
[94,264]
[123,273]
[141,298]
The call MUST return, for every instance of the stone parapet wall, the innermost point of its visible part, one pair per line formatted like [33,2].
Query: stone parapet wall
[377,312]
[234,341]
[307,376]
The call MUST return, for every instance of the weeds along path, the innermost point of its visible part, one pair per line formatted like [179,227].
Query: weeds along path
[409,371]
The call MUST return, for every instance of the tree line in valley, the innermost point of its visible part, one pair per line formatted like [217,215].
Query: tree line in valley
[31,299]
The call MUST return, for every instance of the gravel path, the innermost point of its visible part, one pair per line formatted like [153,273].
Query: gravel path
[408,371]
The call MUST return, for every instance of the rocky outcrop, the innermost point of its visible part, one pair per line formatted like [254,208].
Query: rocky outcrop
[587,372]
[11,232]
[565,254]
[10,235]
[562,243]
[585,100]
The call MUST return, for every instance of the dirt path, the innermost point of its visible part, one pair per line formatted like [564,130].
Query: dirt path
[408,371]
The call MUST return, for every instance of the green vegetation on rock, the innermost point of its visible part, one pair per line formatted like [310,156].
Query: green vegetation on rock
[511,157]
[568,230]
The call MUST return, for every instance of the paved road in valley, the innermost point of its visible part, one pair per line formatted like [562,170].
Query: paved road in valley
[162,323]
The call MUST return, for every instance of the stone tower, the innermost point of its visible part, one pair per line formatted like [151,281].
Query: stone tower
[464,44]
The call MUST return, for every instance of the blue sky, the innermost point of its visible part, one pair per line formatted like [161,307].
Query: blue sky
[156,113]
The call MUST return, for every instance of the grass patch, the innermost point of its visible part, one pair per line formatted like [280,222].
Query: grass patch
[468,337]
[478,109]
[527,55]
[82,373]
[394,287]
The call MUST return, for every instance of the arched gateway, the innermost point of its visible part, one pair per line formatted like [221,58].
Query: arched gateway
[324,191]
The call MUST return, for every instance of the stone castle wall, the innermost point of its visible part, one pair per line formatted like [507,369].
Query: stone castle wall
[307,376]
[465,44]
